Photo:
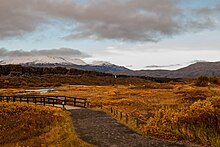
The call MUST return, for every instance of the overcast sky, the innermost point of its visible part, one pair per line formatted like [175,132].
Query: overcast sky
[139,34]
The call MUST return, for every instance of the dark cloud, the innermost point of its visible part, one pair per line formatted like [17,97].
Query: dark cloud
[18,17]
[48,52]
[126,20]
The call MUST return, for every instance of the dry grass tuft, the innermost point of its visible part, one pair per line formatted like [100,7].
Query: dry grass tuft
[30,125]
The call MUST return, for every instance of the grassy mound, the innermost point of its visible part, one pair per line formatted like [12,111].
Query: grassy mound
[30,125]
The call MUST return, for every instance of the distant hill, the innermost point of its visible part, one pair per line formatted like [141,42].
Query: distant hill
[54,61]
[21,76]
[192,71]
[99,68]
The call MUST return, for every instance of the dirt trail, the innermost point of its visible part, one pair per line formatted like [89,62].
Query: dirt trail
[100,129]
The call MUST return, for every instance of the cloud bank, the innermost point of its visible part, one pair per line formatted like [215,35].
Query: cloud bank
[125,20]
[47,52]
[163,66]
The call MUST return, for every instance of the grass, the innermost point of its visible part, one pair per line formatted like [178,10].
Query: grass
[30,125]
[198,124]
[174,111]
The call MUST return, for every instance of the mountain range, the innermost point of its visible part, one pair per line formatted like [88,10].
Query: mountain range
[54,61]
[192,71]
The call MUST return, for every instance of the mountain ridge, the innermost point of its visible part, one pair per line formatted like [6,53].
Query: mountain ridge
[191,71]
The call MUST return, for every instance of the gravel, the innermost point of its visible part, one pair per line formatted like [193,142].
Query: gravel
[100,129]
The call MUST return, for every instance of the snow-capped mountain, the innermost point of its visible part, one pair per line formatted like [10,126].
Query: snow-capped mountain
[54,61]
[42,60]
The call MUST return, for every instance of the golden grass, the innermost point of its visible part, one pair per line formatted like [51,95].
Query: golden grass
[30,125]
[198,124]
[162,103]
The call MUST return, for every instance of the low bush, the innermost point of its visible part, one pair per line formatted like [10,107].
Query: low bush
[198,124]
[202,81]
[30,125]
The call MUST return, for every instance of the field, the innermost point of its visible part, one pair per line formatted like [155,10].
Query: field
[174,111]
[30,125]
[187,112]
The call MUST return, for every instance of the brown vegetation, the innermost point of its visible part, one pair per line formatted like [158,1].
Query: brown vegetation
[181,111]
[173,111]
[30,125]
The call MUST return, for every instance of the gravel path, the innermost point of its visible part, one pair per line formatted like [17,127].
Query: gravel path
[100,129]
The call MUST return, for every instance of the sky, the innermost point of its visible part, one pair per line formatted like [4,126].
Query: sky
[138,34]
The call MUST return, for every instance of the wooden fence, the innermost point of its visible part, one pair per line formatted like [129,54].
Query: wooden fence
[71,101]
[127,117]
[44,100]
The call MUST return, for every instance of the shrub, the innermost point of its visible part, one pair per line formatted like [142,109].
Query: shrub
[22,121]
[202,81]
[30,125]
[214,80]
[191,96]
[198,124]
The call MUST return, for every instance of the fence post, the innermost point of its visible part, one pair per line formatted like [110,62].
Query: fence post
[13,99]
[65,100]
[88,104]
[44,100]
[85,103]
[126,118]
[63,103]
[120,115]
[111,110]
[74,102]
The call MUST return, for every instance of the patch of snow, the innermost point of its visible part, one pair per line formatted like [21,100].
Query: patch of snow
[42,60]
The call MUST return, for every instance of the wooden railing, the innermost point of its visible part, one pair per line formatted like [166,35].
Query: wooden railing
[120,115]
[44,100]
[127,117]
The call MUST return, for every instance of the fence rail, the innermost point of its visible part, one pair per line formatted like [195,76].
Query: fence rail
[127,117]
[43,99]
[121,115]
